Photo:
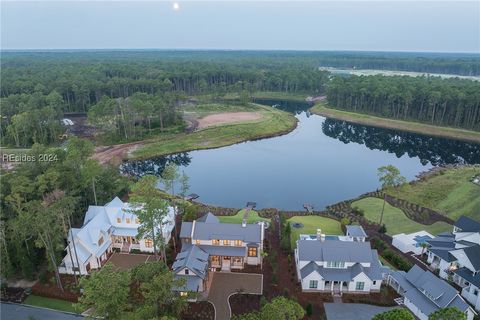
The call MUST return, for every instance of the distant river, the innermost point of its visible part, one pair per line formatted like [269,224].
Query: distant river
[323,161]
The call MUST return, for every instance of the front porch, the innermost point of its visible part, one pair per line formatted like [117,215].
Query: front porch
[125,243]
[226,263]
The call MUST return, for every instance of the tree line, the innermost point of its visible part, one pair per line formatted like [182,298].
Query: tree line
[432,100]
[41,200]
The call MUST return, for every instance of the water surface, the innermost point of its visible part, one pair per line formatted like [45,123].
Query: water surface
[323,161]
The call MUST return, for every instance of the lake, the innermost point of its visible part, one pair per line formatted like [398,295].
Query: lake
[321,162]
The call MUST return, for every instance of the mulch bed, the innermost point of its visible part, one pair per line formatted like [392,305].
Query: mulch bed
[199,311]
[244,303]
[16,295]
[384,298]
[51,290]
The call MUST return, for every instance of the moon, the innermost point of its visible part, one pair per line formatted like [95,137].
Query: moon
[176,6]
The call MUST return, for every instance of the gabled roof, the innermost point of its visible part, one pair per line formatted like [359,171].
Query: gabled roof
[428,292]
[334,250]
[342,274]
[471,253]
[355,231]
[212,229]
[193,258]
[208,218]
[467,224]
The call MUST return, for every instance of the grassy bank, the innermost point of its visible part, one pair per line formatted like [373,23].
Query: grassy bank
[450,193]
[310,226]
[273,122]
[55,304]
[394,219]
[447,132]
[280,95]
[252,217]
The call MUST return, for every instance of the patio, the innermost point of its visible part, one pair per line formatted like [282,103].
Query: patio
[126,261]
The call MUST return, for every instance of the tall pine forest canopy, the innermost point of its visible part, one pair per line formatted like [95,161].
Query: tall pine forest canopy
[130,94]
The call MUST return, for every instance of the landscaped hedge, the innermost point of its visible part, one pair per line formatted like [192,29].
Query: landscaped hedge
[397,260]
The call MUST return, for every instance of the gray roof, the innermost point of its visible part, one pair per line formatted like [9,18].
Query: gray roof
[191,283]
[337,274]
[334,250]
[186,229]
[208,218]
[467,224]
[355,231]
[224,250]
[468,276]
[211,229]
[193,258]
[428,292]
[443,253]
[473,254]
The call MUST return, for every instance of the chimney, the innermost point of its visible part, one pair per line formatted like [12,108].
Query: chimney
[244,223]
[319,234]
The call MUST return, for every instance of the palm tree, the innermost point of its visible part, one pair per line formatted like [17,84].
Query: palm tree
[389,176]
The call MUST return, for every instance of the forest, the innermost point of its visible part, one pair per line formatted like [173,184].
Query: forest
[131,94]
[433,100]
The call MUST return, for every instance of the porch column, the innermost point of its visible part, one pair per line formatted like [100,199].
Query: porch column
[341,286]
[331,285]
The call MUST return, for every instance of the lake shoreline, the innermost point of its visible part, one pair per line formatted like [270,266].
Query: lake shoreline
[280,122]
[379,122]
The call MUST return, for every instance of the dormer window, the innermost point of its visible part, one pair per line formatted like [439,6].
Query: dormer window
[119,220]
[238,243]
[226,242]
[100,241]
[128,220]
[187,271]
[216,242]
[336,264]
[197,241]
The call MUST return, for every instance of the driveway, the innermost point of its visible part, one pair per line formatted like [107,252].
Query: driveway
[11,311]
[225,284]
[349,311]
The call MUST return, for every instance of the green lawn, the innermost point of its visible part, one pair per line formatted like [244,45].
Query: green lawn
[394,219]
[273,122]
[55,304]
[361,118]
[450,193]
[311,224]
[252,217]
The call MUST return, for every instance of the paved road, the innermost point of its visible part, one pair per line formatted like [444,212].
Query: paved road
[10,311]
[224,284]
[349,311]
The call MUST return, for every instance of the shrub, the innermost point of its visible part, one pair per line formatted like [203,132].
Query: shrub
[43,277]
[382,229]
[309,309]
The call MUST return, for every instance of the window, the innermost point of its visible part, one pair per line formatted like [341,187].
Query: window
[128,220]
[360,286]
[475,292]
[197,241]
[137,221]
[252,252]
[313,284]
[374,282]
[216,242]
[215,259]
[237,260]
[119,220]
[187,271]
[335,264]
[100,241]
[183,294]
[148,243]
[238,243]
[226,242]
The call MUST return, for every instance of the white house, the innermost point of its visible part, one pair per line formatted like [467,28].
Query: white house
[338,264]
[457,257]
[423,293]
[104,228]
[412,242]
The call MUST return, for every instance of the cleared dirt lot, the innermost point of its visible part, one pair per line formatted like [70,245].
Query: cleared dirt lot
[227,117]
[126,261]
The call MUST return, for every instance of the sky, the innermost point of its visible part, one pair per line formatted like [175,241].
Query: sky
[431,26]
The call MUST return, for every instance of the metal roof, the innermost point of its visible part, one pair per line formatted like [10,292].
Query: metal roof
[334,250]
[355,231]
